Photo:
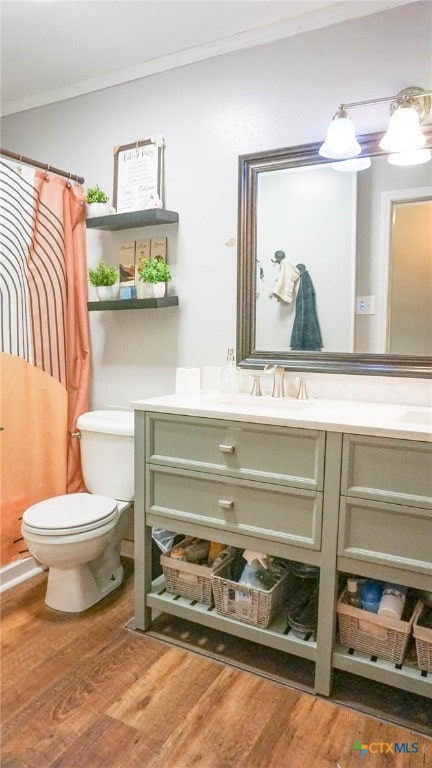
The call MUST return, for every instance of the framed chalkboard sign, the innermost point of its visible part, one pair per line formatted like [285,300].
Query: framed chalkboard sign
[138,172]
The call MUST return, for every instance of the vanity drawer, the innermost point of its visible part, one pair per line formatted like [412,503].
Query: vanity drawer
[398,471]
[388,534]
[261,452]
[263,510]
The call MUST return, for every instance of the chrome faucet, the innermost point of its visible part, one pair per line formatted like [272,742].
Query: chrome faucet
[278,379]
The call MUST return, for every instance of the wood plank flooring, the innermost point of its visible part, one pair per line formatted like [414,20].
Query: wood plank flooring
[81,691]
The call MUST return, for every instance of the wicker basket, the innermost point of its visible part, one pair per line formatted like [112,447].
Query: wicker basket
[423,639]
[374,634]
[247,604]
[188,579]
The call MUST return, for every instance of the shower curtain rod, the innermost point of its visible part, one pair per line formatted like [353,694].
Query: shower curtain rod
[44,166]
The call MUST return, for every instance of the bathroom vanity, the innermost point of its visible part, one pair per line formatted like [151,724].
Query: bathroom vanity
[346,486]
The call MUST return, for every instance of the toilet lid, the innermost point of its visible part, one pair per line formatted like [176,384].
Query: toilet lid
[72,513]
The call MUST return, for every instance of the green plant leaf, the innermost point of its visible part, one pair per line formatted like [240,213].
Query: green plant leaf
[154,271]
[96,195]
[103,274]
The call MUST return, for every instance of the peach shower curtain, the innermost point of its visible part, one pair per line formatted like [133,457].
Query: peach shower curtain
[45,345]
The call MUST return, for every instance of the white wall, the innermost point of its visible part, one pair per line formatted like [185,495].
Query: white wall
[271,96]
[309,214]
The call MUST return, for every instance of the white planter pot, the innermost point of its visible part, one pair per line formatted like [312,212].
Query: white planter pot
[159,290]
[97,209]
[150,290]
[108,292]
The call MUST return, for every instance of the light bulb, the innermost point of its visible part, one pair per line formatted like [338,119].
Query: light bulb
[403,133]
[340,142]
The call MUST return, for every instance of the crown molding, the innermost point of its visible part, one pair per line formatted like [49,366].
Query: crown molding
[343,10]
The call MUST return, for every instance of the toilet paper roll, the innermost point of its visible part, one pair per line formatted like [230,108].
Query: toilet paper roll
[188,381]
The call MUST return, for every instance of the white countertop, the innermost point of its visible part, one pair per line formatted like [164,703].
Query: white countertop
[409,422]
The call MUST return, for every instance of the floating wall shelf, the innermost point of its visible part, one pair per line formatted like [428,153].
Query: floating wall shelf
[132,219]
[100,306]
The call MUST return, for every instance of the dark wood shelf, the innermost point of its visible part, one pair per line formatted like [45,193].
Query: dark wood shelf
[101,306]
[132,219]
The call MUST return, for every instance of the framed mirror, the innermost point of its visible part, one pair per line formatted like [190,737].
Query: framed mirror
[335,268]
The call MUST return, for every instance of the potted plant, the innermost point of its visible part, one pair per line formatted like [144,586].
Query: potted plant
[106,281]
[153,276]
[97,202]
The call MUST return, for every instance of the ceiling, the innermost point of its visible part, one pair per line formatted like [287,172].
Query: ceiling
[56,49]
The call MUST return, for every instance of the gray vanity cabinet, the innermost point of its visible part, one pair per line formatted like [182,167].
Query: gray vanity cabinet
[293,457]
[258,481]
[271,513]
[385,532]
[346,503]
[386,504]
[254,486]
[387,470]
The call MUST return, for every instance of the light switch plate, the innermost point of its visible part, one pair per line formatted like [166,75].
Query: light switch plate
[365,305]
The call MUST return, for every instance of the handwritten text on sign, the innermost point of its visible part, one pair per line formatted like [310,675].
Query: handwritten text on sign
[137,180]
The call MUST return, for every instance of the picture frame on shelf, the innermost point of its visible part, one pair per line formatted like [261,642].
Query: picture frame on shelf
[138,175]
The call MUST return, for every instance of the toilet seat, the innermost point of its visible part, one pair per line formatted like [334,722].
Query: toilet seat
[69,514]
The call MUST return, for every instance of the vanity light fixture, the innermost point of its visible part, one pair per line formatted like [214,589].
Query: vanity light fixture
[340,142]
[409,109]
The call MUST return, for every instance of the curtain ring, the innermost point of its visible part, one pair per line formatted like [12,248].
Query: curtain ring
[136,147]
[69,185]
[46,172]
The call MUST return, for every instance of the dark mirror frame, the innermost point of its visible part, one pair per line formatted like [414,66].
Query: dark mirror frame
[250,166]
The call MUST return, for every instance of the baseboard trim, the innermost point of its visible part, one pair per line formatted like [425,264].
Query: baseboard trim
[18,571]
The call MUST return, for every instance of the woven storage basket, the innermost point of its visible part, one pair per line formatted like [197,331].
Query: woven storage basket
[423,639]
[188,579]
[247,604]
[374,634]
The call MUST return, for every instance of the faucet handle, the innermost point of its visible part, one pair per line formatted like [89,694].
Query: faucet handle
[302,393]
[256,386]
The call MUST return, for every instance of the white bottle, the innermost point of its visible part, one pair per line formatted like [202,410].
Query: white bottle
[392,601]
[230,379]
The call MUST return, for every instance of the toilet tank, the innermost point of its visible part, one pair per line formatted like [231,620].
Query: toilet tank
[107,453]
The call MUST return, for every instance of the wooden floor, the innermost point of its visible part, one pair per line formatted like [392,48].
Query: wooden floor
[81,691]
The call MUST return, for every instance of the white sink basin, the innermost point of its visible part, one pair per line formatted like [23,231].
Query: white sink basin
[417,417]
[261,403]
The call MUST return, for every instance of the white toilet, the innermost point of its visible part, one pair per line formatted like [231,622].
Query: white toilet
[78,536]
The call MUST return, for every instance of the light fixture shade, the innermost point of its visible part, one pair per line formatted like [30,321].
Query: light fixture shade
[354,164]
[340,142]
[403,133]
[416,157]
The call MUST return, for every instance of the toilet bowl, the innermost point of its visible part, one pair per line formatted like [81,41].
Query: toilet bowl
[78,535]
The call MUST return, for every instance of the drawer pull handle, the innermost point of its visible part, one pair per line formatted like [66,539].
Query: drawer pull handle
[226,503]
[225,448]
